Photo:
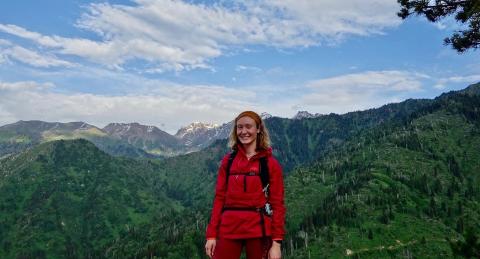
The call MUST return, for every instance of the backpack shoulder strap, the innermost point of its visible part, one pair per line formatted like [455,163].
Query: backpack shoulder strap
[264,174]
[229,165]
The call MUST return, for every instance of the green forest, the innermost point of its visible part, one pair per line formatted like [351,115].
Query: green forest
[402,180]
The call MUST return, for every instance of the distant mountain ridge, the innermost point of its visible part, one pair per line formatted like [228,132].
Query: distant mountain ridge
[148,138]
[35,127]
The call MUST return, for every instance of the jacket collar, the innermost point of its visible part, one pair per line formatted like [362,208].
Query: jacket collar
[260,153]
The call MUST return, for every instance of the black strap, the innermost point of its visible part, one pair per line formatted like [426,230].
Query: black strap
[264,176]
[229,165]
[247,174]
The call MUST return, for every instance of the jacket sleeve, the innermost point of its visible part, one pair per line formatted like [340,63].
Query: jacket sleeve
[276,199]
[218,201]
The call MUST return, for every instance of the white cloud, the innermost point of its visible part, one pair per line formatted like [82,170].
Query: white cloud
[33,58]
[382,80]
[24,86]
[10,51]
[34,36]
[360,91]
[439,86]
[240,68]
[331,18]
[448,23]
[461,79]
[443,82]
[181,35]
[5,42]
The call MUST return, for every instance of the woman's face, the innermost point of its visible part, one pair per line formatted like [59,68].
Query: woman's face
[247,130]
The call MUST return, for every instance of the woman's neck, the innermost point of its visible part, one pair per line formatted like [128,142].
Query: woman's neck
[250,149]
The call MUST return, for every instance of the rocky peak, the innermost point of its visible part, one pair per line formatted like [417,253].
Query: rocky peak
[304,115]
[194,129]
[265,116]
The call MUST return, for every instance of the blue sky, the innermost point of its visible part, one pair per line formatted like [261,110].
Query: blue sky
[169,63]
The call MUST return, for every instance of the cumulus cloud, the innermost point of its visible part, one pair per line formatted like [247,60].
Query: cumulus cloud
[360,91]
[331,18]
[180,35]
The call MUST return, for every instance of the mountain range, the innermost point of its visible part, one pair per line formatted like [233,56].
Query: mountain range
[120,139]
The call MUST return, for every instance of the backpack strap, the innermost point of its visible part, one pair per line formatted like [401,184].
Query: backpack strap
[229,164]
[264,174]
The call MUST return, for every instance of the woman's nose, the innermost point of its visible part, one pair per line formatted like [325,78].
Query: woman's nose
[243,130]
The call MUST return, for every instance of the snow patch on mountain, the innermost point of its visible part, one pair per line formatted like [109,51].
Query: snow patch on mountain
[195,128]
[305,115]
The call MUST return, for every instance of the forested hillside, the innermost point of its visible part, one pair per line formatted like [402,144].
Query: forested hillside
[69,199]
[297,142]
[398,190]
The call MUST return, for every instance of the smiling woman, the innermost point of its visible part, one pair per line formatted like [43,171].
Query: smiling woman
[248,209]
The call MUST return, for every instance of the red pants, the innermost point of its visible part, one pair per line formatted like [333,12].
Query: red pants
[256,248]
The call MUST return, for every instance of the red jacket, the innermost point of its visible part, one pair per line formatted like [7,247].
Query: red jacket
[246,191]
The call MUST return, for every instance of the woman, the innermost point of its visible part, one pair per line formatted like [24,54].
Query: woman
[248,209]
